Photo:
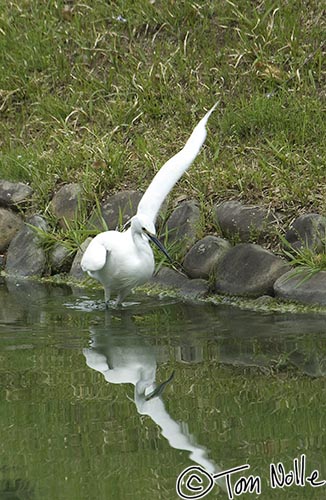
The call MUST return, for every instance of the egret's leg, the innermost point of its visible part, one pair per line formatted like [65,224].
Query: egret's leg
[107,297]
[119,300]
[121,296]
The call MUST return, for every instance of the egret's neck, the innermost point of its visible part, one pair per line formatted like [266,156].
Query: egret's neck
[137,236]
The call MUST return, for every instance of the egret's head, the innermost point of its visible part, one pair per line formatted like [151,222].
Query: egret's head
[143,225]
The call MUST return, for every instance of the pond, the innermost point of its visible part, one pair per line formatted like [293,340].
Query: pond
[80,417]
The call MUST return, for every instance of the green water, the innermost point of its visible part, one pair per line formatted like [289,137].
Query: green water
[248,388]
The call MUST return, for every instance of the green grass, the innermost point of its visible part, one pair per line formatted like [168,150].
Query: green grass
[306,261]
[86,97]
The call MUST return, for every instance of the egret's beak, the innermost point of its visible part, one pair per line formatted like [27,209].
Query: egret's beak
[159,245]
[159,390]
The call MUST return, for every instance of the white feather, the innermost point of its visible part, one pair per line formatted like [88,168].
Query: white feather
[172,170]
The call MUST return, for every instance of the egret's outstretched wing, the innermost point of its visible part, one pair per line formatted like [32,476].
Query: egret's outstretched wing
[172,170]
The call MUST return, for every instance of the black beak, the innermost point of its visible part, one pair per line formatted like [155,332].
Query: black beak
[159,245]
[159,390]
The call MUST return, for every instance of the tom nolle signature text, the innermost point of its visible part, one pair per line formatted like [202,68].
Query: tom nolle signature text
[196,482]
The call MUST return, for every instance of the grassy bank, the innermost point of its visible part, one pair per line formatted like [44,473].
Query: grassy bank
[104,93]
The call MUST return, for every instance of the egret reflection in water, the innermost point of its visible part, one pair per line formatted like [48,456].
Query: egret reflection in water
[129,359]
[87,429]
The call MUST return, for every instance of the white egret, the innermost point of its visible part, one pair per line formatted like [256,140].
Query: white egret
[122,260]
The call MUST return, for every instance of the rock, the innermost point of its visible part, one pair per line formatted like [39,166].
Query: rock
[302,288]
[10,224]
[25,256]
[249,270]
[243,221]
[14,193]
[60,259]
[76,270]
[65,203]
[201,259]
[170,278]
[263,300]
[26,292]
[182,225]
[187,288]
[116,210]
[308,230]
[312,364]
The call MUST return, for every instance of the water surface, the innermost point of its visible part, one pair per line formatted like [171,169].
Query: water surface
[77,422]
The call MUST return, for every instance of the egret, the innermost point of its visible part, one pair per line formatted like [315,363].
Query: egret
[122,260]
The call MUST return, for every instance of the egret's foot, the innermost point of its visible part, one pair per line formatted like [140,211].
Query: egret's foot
[129,304]
[83,304]
[116,304]
[112,304]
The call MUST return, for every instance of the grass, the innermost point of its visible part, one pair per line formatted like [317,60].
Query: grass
[306,261]
[103,94]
